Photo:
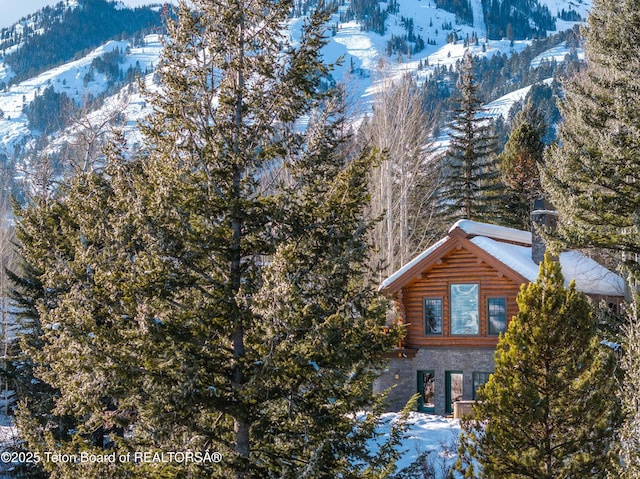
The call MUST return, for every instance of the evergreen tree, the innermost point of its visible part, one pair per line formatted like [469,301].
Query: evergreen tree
[593,172]
[630,400]
[593,169]
[519,163]
[471,187]
[211,292]
[549,409]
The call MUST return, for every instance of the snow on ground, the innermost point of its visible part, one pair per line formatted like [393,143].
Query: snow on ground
[502,105]
[366,67]
[582,7]
[478,18]
[426,433]
[8,437]
[557,53]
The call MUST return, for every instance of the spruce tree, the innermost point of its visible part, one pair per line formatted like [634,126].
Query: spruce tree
[592,171]
[211,291]
[519,165]
[549,410]
[471,187]
[630,400]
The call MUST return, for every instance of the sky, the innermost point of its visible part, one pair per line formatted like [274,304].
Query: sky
[12,10]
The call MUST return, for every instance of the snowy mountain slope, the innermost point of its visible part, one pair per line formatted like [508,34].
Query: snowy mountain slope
[502,105]
[70,79]
[367,65]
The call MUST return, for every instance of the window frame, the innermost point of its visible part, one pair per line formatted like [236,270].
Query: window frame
[424,314]
[448,389]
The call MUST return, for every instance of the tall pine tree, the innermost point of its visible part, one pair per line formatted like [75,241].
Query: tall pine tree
[549,410]
[592,171]
[212,293]
[520,162]
[630,363]
[471,186]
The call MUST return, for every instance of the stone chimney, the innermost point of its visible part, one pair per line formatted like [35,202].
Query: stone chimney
[544,218]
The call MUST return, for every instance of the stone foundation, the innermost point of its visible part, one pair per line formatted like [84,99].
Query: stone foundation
[401,374]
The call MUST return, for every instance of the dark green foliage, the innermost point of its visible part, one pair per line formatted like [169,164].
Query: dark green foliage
[517,19]
[498,75]
[109,65]
[462,9]
[519,164]
[549,410]
[31,298]
[370,14]
[212,292]
[593,170]
[545,98]
[630,364]
[570,15]
[407,44]
[50,111]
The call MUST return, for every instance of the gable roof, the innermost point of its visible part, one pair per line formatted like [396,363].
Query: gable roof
[509,251]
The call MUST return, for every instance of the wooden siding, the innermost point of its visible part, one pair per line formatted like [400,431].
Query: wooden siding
[458,266]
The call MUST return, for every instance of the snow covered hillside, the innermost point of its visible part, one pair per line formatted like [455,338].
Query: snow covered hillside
[367,64]
[69,78]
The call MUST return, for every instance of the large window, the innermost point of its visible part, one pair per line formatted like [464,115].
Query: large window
[497,314]
[479,379]
[433,316]
[464,309]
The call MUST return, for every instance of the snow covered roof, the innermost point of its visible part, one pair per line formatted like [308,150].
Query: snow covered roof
[590,277]
[418,259]
[475,228]
[497,241]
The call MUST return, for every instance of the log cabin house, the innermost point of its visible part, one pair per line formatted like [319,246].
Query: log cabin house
[457,297]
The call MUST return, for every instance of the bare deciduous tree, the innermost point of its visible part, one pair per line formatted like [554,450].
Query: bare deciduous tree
[90,132]
[405,181]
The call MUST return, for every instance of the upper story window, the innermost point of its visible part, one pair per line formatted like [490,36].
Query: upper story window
[464,309]
[433,316]
[497,315]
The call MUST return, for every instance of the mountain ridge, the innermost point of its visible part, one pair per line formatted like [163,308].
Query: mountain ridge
[367,66]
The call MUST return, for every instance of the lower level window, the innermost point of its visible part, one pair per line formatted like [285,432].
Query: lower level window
[479,379]
[427,391]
